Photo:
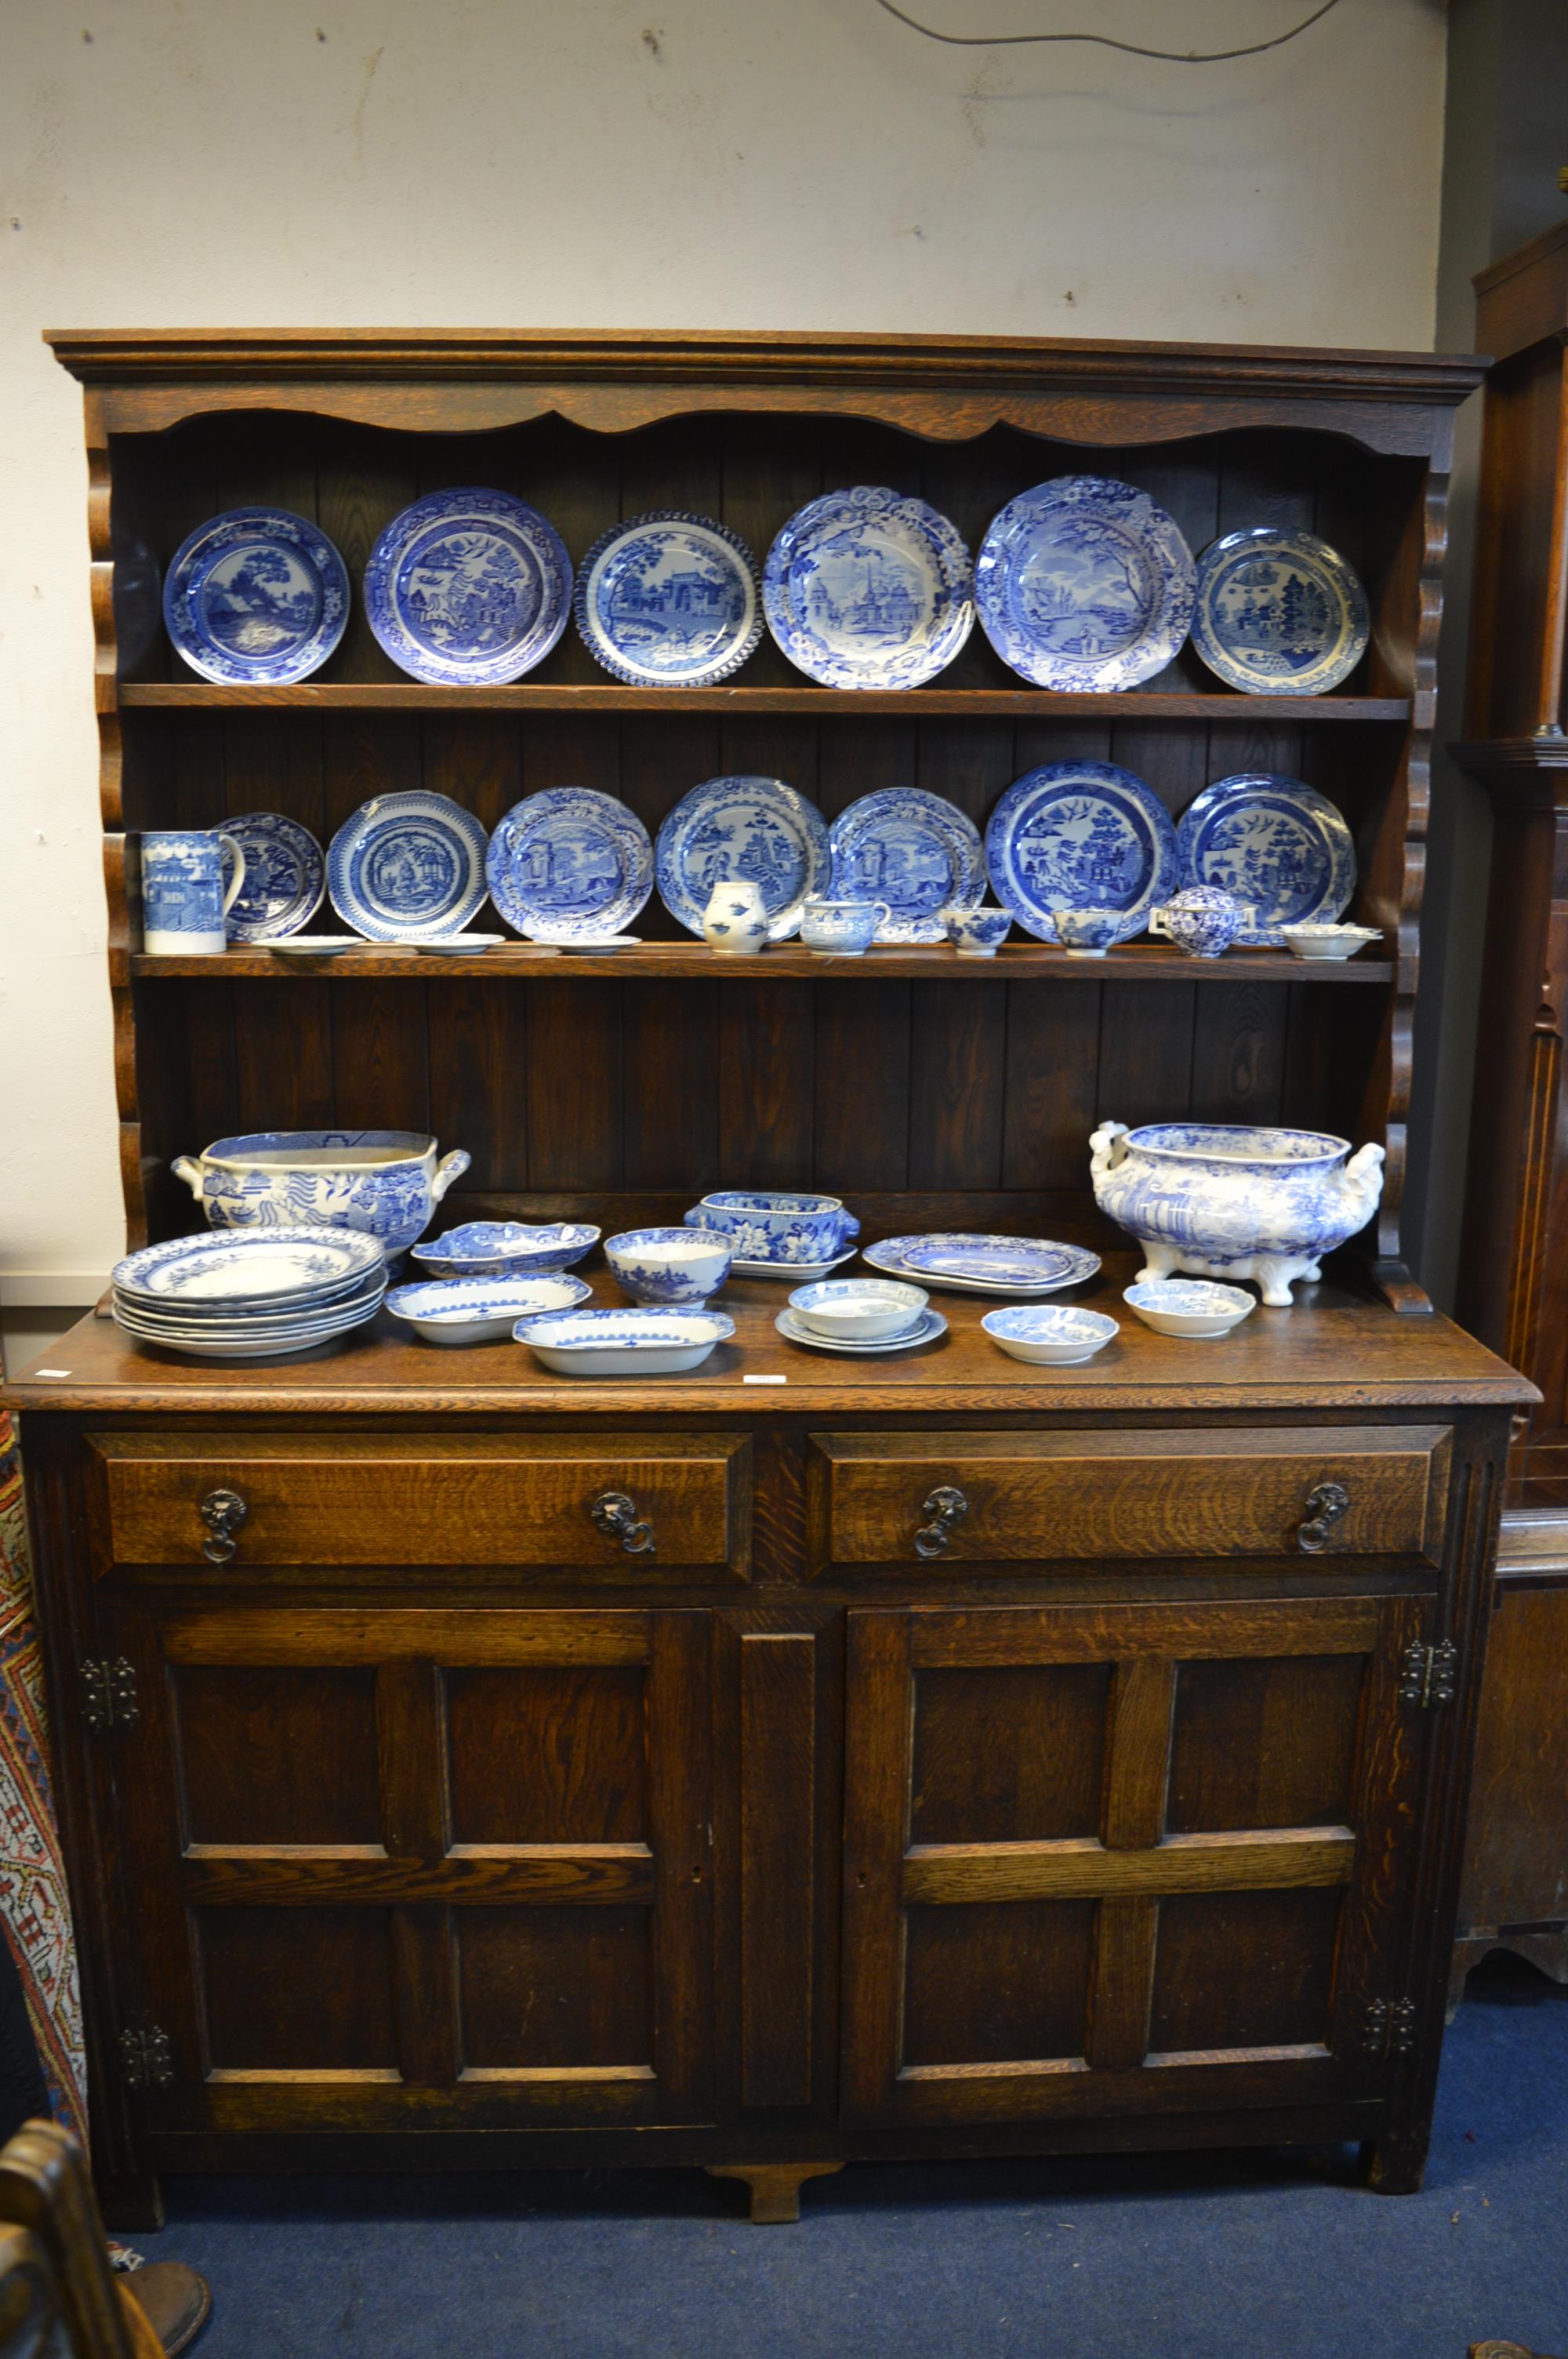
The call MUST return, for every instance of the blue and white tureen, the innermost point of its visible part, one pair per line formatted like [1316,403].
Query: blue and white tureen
[385,1182]
[1235,1199]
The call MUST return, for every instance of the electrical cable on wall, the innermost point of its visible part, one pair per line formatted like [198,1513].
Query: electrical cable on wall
[1104,40]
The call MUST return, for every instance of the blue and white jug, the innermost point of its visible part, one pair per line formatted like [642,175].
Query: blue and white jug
[184,904]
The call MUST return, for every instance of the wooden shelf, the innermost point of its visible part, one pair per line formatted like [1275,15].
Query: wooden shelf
[786,961]
[967,703]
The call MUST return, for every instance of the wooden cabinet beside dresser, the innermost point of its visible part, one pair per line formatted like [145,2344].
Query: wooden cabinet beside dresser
[953,1757]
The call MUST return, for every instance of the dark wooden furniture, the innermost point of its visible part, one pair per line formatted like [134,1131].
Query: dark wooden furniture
[1514,1269]
[433,1826]
[59,2299]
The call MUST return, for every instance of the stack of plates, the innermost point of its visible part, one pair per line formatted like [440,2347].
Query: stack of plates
[249,1294]
[967,1262]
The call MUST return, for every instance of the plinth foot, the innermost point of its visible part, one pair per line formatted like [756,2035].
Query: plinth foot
[775,2186]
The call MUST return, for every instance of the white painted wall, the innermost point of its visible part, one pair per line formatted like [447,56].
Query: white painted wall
[687,163]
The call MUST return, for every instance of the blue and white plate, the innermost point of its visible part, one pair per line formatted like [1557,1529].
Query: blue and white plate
[286,876]
[407,866]
[1278,613]
[756,829]
[926,1330]
[468,588]
[233,1267]
[1080,835]
[669,600]
[914,851]
[865,589]
[1277,844]
[570,865]
[1056,1265]
[256,594]
[1084,583]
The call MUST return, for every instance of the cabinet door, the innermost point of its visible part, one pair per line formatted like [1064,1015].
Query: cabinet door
[1125,1857]
[400,1869]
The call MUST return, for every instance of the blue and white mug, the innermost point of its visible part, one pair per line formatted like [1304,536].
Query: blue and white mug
[841,928]
[184,903]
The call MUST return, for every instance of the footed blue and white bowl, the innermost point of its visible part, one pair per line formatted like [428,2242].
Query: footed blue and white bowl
[507,1249]
[1049,1335]
[624,1342]
[777,1224]
[1188,1306]
[677,1268]
[859,1310]
[480,1310]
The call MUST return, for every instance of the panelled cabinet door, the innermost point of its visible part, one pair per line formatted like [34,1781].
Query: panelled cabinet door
[401,1868]
[1136,1858]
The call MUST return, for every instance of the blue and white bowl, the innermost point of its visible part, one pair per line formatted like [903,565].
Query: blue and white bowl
[643,1342]
[676,1267]
[1048,1334]
[1188,1306]
[1090,933]
[385,1182]
[859,1310]
[777,1224]
[480,1310]
[977,933]
[508,1248]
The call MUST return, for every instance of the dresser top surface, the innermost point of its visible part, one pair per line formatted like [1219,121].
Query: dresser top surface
[1335,1350]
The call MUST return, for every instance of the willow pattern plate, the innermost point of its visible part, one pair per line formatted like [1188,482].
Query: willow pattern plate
[286,876]
[1276,843]
[1278,613]
[1080,835]
[468,588]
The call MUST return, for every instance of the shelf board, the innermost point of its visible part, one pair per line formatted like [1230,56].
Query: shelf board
[785,961]
[593,696]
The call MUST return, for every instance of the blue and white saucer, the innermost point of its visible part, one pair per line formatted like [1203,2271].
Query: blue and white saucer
[926,1328]
[1080,835]
[866,589]
[969,1263]
[286,876]
[1084,583]
[1275,843]
[468,588]
[669,600]
[570,865]
[1278,613]
[408,865]
[920,854]
[256,594]
[756,829]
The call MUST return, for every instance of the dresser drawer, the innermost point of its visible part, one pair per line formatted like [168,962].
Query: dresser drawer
[886,1500]
[323,1499]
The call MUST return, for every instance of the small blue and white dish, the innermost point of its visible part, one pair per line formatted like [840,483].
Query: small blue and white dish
[624,1342]
[677,1268]
[1275,843]
[469,589]
[1050,1334]
[407,866]
[669,600]
[917,852]
[859,1310]
[1278,613]
[926,1328]
[1189,1307]
[1084,583]
[480,1310]
[285,880]
[777,1224]
[1090,933]
[962,1262]
[977,933]
[570,865]
[866,589]
[752,830]
[256,594]
[841,928]
[507,1249]
[1080,835]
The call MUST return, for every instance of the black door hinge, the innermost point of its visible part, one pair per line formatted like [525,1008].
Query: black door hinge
[109,1694]
[144,2058]
[1388,2028]
[1427,1673]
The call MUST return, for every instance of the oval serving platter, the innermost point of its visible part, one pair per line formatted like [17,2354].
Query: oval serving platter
[669,600]
[756,829]
[1084,583]
[1278,613]
[468,588]
[912,850]
[255,595]
[866,589]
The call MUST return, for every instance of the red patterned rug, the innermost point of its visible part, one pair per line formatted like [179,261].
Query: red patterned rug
[34,1904]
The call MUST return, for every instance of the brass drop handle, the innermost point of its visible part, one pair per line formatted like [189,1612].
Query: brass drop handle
[222,1512]
[615,1513]
[1326,1504]
[947,1508]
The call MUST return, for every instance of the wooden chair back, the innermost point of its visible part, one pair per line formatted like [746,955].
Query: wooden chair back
[58,2295]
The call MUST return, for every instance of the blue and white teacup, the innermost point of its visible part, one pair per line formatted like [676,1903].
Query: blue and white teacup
[977,933]
[777,1224]
[841,928]
[676,1268]
[1203,920]
[183,900]
[1089,933]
